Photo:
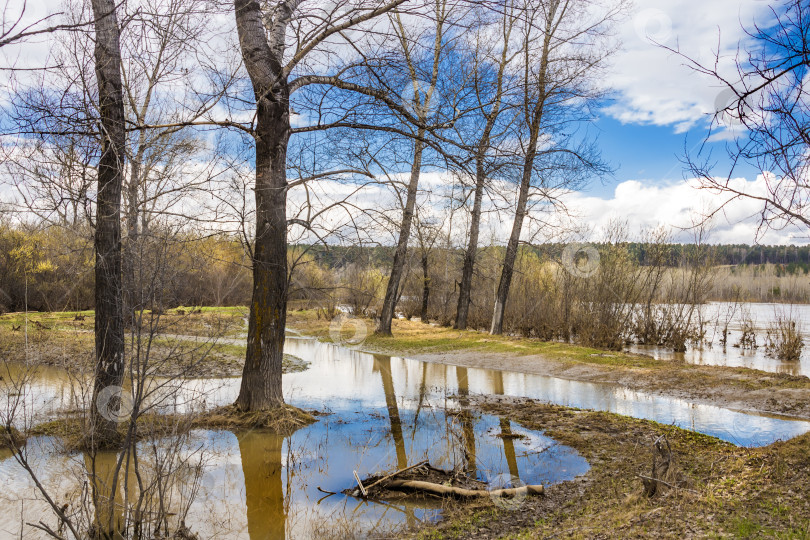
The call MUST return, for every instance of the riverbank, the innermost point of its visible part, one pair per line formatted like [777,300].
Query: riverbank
[183,342]
[716,489]
[734,388]
[206,342]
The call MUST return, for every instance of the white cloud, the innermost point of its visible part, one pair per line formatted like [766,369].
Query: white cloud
[655,86]
[677,206]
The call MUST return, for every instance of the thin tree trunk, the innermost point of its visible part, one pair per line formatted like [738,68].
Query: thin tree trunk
[389,304]
[514,240]
[535,118]
[465,286]
[109,325]
[261,376]
[131,301]
[425,286]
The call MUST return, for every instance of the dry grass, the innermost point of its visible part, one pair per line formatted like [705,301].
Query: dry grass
[727,491]
[284,419]
[784,339]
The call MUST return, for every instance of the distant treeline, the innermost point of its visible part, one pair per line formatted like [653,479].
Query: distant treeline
[51,269]
[788,260]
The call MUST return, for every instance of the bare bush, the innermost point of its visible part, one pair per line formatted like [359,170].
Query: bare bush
[784,339]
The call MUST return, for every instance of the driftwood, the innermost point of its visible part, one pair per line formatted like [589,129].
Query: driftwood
[360,484]
[393,474]
[462,493]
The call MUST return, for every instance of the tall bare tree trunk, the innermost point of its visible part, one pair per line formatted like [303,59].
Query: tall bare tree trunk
[261,376]
[109,325]
[425,286]
[132,304]
[514,238]
[389,304]
[465,286]
[534,117]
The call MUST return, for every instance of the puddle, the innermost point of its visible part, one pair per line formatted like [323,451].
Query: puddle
[261,485]
[385,413]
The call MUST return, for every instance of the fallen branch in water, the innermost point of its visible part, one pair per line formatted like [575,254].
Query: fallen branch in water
[393,474]
[462,493]
[360,484]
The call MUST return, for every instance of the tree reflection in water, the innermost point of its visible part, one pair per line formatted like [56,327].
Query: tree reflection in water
[264,487]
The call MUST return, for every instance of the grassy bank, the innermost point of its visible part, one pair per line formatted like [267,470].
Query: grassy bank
[719,490]
[66,339]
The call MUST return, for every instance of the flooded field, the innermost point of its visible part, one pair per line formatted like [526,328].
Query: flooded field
[381,414]
[717,316]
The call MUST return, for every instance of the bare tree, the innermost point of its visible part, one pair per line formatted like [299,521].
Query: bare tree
[428,233]
[763,106]
[13,29]
[109,287]
[490,59]
[263,34]
[562,45]
[422,99]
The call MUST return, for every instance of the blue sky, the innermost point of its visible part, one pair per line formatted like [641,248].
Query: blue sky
[659,109]
[651,154]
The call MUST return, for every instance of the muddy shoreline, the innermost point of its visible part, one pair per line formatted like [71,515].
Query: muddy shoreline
[783,401]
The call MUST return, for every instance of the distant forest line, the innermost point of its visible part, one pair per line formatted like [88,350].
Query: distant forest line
[52,270]
[790,260]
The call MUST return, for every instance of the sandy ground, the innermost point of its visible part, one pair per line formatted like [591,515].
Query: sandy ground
[701,386]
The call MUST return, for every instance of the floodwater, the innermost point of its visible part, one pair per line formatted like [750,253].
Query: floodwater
[383,413]
[259,485]
[719,315]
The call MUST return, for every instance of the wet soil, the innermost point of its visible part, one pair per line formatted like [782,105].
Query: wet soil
[722,490]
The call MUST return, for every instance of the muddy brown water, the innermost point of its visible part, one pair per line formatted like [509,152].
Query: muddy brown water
[384,413]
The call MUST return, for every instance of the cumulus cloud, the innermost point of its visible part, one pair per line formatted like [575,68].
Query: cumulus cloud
[679,205]
[655,86]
